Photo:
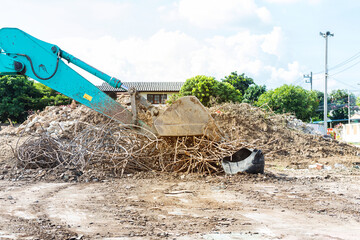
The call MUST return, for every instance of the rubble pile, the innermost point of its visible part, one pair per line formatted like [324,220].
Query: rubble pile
[84,140]
[297,124]
[275,134]
[60,121]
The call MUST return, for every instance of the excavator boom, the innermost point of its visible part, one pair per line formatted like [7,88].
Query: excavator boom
[42,62]
[21,53]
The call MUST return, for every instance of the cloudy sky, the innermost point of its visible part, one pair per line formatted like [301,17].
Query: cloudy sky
[275,42]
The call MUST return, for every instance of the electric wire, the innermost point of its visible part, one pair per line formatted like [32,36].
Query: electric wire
[345,69]
[352,58]
[337,80]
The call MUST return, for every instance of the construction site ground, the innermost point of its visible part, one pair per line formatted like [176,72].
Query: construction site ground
[288,201]
[76,178]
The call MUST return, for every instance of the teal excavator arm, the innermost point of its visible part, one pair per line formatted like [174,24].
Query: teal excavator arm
[23,54]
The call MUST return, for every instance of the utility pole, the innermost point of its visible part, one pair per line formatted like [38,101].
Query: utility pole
[309,77]
[326,35]
[349,106]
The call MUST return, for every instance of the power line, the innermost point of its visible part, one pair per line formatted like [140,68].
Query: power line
[345,69]
[352,58]
[337,80]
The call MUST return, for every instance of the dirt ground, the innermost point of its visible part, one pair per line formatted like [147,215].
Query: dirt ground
[293,199]
[288,201]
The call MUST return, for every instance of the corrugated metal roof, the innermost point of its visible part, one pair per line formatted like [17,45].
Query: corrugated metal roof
[145,86]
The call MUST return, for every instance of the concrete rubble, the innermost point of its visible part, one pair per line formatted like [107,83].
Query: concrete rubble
[297,124]
[279,137]
[57,121]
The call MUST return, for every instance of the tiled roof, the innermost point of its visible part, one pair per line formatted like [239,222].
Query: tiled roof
[144,86]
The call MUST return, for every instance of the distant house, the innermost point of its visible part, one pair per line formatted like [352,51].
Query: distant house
[355,118]
[154,92]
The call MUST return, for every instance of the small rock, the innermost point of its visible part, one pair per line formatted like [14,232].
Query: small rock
[327,167]
[246,223]
[339,165]
[65,177]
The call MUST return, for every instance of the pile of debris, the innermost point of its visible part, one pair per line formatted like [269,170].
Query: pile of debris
[297,124]
[275,134]
[83,140]
[60,121]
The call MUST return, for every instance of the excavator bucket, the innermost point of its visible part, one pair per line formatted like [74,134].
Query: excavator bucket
[187,117]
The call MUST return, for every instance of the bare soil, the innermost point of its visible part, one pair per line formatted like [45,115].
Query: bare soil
[280,204]
[289,201]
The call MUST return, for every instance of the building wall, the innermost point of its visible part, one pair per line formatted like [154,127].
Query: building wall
[144,94]
[351,132]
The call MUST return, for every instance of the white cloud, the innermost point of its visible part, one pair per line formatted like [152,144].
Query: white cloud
[66,17]
[264,14]
[273,42]
[313,2]
[283,1]
[105,10]
[162,57]
[176,56]
[214,13]
[161,8]
[290,75]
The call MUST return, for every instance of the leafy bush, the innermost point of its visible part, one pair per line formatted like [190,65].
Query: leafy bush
[253,93]
[173,98]
[51,97]
[339,102]
[206,88]
[18,95]
[226,92]
[291,99]
[240,82]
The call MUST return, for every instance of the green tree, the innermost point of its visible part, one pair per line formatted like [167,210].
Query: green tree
[18,95]
[319,112]
[339,104]
[173,98]
[240,82]
[51,97]
[253,93]
[358,101]
[225,92]
[291,99]
[205,88]
[202,87]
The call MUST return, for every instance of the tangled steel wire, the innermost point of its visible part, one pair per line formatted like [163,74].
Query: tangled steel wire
[119,149]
